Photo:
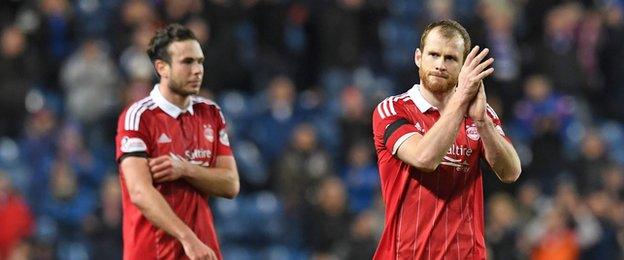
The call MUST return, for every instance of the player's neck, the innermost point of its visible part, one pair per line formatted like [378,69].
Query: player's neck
[436,99]
[181,101]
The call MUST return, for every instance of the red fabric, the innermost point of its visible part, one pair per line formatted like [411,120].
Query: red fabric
[194,137]
[429,215]
[16,224]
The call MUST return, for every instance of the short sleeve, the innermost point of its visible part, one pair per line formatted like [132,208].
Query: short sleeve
[132,138]
[392,125]
[223,145]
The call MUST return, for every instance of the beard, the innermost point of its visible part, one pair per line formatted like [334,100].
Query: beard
[179,89]
[438,86]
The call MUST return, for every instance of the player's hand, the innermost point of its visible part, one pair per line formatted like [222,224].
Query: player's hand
[471,74]
[476,110]
[167,168]
[195,249]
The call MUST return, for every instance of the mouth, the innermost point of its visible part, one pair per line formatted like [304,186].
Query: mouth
[438,75]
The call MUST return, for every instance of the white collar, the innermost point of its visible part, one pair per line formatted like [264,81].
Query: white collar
[164,104]
[420,101]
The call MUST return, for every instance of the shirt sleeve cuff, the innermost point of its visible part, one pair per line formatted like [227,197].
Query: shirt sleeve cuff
[400,141]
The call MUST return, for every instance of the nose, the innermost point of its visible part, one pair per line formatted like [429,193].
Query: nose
[439,65]
[198,69]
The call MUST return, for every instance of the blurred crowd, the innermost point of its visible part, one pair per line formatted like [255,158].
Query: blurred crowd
[297,81]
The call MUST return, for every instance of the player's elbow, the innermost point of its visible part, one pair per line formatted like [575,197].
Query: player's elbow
[137,196]
[233,190]
[425,165]
[421,162]
[512,176]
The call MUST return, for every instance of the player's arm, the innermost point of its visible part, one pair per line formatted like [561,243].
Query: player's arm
[426,152]
[499,152]
[154,206]
[221,180]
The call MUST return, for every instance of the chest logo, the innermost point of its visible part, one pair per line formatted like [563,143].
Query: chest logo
[209,133]
[472,133]
[164,139]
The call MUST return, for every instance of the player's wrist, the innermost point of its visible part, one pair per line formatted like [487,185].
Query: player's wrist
[456,107]
[187,170]
[186,236]
[182,168]
[484,123]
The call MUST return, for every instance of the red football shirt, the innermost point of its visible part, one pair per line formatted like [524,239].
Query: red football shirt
[429,215]
[153,127]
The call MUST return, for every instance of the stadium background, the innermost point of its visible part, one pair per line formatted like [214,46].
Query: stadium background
[297,81]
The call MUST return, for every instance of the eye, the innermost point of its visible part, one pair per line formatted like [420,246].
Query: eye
[451,58]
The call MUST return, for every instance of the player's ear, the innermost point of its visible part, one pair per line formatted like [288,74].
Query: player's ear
[162,68]
[417,57]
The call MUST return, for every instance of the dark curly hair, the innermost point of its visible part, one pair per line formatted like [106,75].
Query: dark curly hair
[160,43]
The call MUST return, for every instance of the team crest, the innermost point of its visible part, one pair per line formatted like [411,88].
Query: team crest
[472,133]
[209,133]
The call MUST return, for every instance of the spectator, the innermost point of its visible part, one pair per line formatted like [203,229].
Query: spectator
[328,223]
[591,163]
[361,177]
[556,55]
[354,120]
[67,204]
[104,226]
[274,125]
[90,81]
[601,204]
[56,38]
[362,239]
[17,222]
[300,169]
[18,73]
[502,227]
[134,61]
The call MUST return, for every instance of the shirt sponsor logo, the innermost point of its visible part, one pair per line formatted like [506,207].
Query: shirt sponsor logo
[459,150]
[198,154]
[461,164]
[132,144]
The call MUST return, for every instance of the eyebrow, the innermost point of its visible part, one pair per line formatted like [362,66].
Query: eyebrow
[455,57]
[193,58]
